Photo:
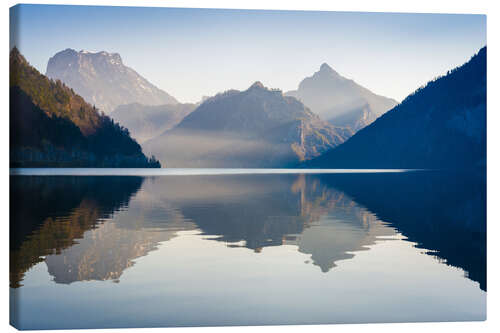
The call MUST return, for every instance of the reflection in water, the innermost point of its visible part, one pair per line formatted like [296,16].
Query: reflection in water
[444,213]
[347,229]
[259,211]
[93,228]
[49,213]
[291,248]
[105,252]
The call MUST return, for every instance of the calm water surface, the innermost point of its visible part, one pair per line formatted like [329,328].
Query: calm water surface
[190,247]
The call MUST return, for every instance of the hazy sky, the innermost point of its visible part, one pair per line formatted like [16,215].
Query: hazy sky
[194,52]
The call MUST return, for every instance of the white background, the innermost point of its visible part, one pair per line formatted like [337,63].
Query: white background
[491,8]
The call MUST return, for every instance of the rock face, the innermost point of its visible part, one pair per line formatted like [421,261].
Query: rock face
[148,121]
[51,126]
[103,80]
[258,127]
[439,126]
[341,101]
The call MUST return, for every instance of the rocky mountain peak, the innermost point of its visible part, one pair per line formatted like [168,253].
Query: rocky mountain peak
[66,52]
[403,136]
[327,73]
[258,127]
[257,85]
[340,100]
[325,68]
[113,58]
[104,80]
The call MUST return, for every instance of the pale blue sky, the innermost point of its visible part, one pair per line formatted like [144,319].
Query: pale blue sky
[194,52]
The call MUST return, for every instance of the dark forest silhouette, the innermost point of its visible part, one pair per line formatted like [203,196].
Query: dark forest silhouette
[441,125]
[53,126]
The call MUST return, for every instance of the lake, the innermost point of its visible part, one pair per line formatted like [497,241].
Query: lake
[107,248]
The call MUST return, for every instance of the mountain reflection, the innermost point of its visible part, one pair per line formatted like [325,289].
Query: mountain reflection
[256,211]
[89,228]
[443,212]
[48,214]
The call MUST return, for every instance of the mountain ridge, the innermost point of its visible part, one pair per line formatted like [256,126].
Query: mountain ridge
[441,125]
[257,127]
[340,100]
[52,126]
[104,80]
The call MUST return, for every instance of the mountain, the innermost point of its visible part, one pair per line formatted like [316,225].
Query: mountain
[103,80]
[339,100]
[148,121]
[51,126]
[440,126]
[258,127]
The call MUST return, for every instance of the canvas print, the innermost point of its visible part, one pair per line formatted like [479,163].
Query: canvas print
[211,167]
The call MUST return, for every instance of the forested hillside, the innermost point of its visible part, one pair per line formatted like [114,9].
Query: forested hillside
[439,126]
[53,126]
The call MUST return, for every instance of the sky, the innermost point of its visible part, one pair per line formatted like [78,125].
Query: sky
[191,53]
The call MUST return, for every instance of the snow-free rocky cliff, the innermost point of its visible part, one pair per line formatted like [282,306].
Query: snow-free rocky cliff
[103,80]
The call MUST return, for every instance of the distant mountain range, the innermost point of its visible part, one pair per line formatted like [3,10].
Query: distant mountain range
[339,100]
[258,127]
[440,126]
[148,121]
[52,126]
[103,80]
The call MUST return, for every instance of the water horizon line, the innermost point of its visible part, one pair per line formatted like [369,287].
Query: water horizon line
[187,171]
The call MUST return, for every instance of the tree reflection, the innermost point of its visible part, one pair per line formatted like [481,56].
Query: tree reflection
[60,220]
